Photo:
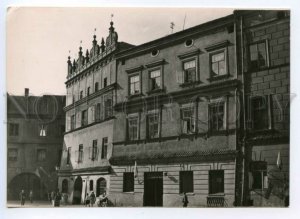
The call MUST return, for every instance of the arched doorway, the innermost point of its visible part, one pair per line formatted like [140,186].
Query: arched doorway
[77,191]
[101,186]
[26,182]
[65,186]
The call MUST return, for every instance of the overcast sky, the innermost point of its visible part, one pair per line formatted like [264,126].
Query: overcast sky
[39,39]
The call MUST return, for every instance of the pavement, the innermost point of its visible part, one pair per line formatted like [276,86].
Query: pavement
[38,204]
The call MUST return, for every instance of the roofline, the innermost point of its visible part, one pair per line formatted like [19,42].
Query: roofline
[169,39]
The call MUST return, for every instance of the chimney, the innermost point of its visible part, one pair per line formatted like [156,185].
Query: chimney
[26,92]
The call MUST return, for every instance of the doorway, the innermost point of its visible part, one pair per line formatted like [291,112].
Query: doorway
[100,187]
[153,189]
[77,191]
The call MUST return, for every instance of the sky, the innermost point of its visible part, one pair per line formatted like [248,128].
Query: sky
[39,39]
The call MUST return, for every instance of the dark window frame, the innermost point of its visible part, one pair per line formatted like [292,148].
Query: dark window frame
[128,182]
[213,117]
[261,117]
[153,80]
[151,125]
[69,155]
[80,154]
[254,64]
[211,62]
[131,128]
[187,71]
[104,148]
[216,187]
[84,118]
[186,181]
[14,129]
[190,120]
[130,93]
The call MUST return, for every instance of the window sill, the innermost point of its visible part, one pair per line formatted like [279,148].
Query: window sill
[135,95]
[217,78]
[129,193]
[160,90]
[189,84]
[216,195]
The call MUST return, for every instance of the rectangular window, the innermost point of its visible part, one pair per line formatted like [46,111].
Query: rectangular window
[189,71]
[91,185]
[12,154]
[260,112]
[133,128]
[258,55]
[42,131]
[108,106]
[153,125]
[128,182]
[84,118]
[94,150]
[218,64]
[186,181]
[155,80]
[134,84]
[216,181]
[88,91]
[72,122]
[81,95]
[13,129]
[216,112]
[259,175]
[41,155]
[104,82]
[188,120]
[96,86]
[104,148]
[80,153]
[69,155]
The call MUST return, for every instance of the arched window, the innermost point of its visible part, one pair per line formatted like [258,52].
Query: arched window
[101,186]
[64,186]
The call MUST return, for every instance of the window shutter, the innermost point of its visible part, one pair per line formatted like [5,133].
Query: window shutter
[90,152]
[180,77]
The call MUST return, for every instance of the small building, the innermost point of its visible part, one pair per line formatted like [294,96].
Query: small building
[91,93]
[35,127]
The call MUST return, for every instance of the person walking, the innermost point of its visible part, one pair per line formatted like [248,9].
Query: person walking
[22,197]
[185,200]
[57,199]
[31,196]
[92,199]
[52,198]
[87,200]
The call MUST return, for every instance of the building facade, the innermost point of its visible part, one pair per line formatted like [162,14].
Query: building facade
[91,93]
[264,57]
[176,119]
[35,127]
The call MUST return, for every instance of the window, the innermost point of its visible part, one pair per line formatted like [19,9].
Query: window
[84,118]
[259,174]
[42,131]
[13,129]
[153,125]
[133,128]
[88,91]
[258,55]
[134,84]
[104,148]
[189,43]
[101,186]
[218,64]
[73,98]
[69,155]
[41,155]
[216,181]
[260,112]
[98,112]
[154,52]
[12,154]
[128,182]
[186,181]
[81,95]
[155,80]
[91,185]
[108,106]
[105,82]
[94,150]
[217,120]
[80,153]
[72,122]
[188,120]
[189,71]
[96,86]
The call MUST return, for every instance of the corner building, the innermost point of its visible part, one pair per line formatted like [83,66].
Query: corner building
[91,93]
[176,119]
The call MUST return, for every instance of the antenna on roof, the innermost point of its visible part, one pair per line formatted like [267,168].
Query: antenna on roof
[172,26]
[184,21]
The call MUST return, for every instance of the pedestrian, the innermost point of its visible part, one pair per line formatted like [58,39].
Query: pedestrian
[52,197]
[31,196]
[57,199]
[185,200]
[49,197]
[22,197]
[92,199]
[87,200]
